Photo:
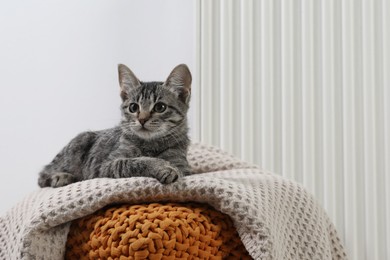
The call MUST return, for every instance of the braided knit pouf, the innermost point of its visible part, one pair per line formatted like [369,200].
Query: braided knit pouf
[155,231]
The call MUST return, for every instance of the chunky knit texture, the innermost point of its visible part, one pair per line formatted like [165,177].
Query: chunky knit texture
[155,231]
[275,218]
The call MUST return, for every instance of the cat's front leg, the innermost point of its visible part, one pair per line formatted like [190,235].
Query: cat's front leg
[156,168]
[178,159]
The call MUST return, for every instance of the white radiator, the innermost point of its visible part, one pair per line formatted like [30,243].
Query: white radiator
[302,87]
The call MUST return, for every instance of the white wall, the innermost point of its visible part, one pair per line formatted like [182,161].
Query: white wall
[302,88]
[58,72]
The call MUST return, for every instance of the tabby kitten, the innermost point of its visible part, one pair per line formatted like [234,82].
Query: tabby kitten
[150,141]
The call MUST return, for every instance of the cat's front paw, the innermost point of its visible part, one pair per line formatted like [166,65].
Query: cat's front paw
[168,174]
[61,179]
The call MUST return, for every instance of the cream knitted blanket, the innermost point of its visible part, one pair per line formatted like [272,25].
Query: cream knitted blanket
[275,218]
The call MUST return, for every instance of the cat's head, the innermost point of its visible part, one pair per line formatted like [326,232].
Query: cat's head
[155,109]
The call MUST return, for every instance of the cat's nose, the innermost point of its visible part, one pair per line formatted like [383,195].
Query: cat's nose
[142,121]
[143,117]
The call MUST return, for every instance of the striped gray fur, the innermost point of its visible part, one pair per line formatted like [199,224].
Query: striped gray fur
[150,141]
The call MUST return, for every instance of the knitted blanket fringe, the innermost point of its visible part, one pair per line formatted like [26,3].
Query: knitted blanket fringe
[275,218]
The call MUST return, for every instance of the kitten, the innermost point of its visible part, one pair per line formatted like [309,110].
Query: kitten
[151,140]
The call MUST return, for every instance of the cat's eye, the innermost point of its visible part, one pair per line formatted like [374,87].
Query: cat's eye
[133,108]
[159,107]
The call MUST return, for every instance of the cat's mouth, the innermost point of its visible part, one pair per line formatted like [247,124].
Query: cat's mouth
[145,132]
[148,132]
[143,129]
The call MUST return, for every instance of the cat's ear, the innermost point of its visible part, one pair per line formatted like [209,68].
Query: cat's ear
[127,81]
[179,82]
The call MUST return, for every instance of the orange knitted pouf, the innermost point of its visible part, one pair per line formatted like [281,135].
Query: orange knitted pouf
[155,231]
